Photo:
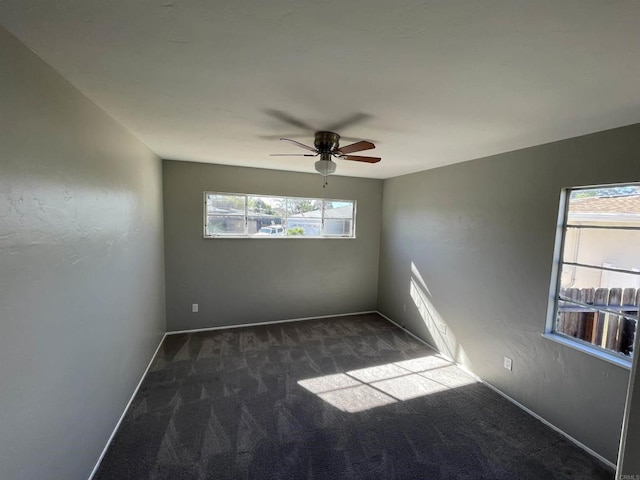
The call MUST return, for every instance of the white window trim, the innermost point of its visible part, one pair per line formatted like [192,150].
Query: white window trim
[609,356]
[584,347]
[246,235]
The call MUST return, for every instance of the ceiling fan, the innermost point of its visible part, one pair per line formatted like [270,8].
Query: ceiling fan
[327,146]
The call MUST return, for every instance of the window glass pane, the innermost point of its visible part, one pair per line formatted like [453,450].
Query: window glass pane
[305,207]
[261,227]
[221,204]
[603,247]
[598,303]
[607,203]
[261,205]
[338,209]
[266,215]
[262,216]
[304,226]
[225,225]
[338,226]
[603,329]
[582,277]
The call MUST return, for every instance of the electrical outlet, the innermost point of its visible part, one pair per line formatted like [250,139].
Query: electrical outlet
[194,308]
[508,363]
[404,307]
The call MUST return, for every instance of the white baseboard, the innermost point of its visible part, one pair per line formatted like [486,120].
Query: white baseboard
[546,422]
[225,327]
[115,430]
[415,336]
[507,397]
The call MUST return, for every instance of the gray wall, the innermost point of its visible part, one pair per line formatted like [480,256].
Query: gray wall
[237,281]
[81,270]
[481,236]
[629,461]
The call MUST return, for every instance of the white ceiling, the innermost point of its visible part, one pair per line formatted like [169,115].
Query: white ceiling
[432,83]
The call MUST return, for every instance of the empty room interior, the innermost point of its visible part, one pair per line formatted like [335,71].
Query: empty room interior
[319,240]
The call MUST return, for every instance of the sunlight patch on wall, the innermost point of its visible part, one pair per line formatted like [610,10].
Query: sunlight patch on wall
[367,388]
[443,337]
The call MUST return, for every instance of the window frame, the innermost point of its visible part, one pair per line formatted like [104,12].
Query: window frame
[550,332]
[246,215]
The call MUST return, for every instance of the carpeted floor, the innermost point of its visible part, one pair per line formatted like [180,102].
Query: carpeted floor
[342,398]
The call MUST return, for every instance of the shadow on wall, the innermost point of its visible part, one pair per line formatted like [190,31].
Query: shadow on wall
[441,334]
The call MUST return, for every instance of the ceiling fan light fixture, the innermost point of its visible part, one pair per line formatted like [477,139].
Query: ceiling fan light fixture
[325,168]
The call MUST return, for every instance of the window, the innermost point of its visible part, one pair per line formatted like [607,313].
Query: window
[260,216]
[597,289]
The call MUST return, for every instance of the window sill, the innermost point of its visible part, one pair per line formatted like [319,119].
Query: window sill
[589,350]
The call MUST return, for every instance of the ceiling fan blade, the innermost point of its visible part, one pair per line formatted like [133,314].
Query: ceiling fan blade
[306,135]
[353,119]
[288,135]
[293,155]
[286,118]
[299,144]
[361,159]
[357,147]
[355,139]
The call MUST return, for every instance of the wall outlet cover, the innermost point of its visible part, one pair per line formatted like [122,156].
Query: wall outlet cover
[508,363]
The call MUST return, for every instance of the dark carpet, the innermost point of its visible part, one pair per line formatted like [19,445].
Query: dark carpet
[342,398]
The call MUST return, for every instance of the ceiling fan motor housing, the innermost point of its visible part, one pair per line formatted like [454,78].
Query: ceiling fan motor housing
[327,146]
[326,141]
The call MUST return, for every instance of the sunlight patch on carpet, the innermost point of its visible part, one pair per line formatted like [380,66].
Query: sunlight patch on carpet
[367,388]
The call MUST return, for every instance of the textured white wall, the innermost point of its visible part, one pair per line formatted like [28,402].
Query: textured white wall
[249,280]
[468,250]
[81,270]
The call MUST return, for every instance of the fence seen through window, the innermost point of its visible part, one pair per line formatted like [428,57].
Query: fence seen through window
[260,216]
[598,290]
